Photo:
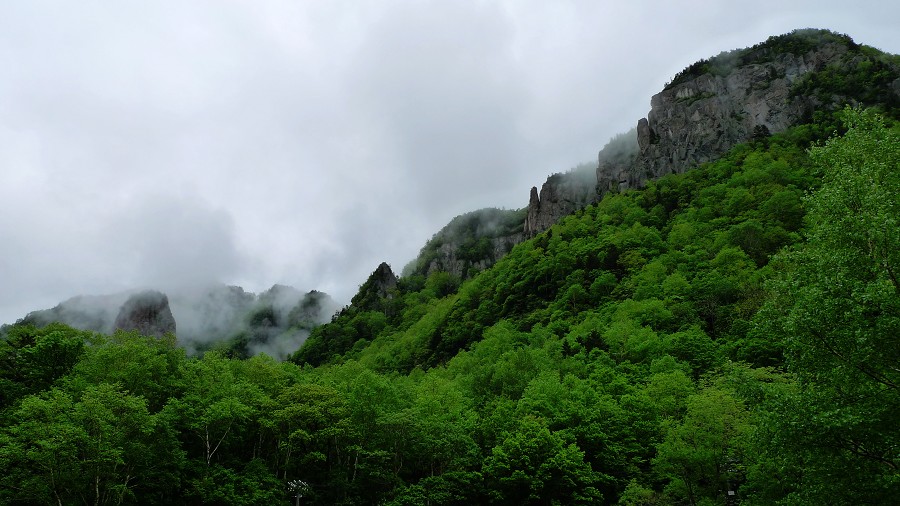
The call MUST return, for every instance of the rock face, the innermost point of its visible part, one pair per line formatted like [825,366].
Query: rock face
[560,195]
[148,313]
[383,280]
[716,104]
[376,291]
[563,194]
[700,119]
[453,258]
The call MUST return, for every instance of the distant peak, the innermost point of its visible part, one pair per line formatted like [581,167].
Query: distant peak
[147,312]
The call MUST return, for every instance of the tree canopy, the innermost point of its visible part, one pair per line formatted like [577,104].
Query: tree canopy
[726,335]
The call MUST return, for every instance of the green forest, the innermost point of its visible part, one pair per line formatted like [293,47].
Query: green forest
[723,336]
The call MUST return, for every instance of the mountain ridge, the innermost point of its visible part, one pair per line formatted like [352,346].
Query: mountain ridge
[747,93]
[703,111]
[716,103]
[653,149]
[218,316]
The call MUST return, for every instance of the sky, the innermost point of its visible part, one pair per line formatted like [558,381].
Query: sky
[169,144]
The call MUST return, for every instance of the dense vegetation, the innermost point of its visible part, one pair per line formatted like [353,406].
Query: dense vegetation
[728,330]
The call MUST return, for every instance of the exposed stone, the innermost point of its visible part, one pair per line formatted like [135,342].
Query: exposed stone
[560,195]
[451,259]
[148,313]
[643,134]
[533,216]
[384,280]
[703,118]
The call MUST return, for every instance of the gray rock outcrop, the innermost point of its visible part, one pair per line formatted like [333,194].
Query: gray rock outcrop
[699,120]
[560,195]
[383,280]
[148,313]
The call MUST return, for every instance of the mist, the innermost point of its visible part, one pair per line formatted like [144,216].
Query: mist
[211,317]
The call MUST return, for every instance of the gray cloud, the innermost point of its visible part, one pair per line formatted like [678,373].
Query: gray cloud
[303,143]
[172,242]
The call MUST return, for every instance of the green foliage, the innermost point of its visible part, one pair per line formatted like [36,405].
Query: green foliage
[32,359]
[836,306]
[533,465]
[655,348]
[702,456]
[102,446]
[865,77]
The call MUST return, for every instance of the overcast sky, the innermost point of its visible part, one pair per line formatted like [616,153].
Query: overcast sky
[166,143]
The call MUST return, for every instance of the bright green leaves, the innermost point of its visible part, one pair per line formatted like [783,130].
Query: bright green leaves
[32,359]
[703,454]
[837,309]
[306,417]
[217,404]
[103,447]
[141,365]
[39,455]
[533,465]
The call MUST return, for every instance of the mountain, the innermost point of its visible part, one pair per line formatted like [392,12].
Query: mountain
[223,317]
[705,110]
[644,291]
[740,96]
[656,348]
[734,97]
[95,313]
[721,334]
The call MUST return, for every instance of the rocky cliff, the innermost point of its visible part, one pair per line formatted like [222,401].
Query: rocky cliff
[717,103]
[721,102]
[148,313]
[560,195]
[379,286]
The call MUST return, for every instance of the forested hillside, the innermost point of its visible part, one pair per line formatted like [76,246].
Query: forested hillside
[726,335]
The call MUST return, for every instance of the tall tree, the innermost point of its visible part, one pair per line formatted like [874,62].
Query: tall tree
[837,309]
